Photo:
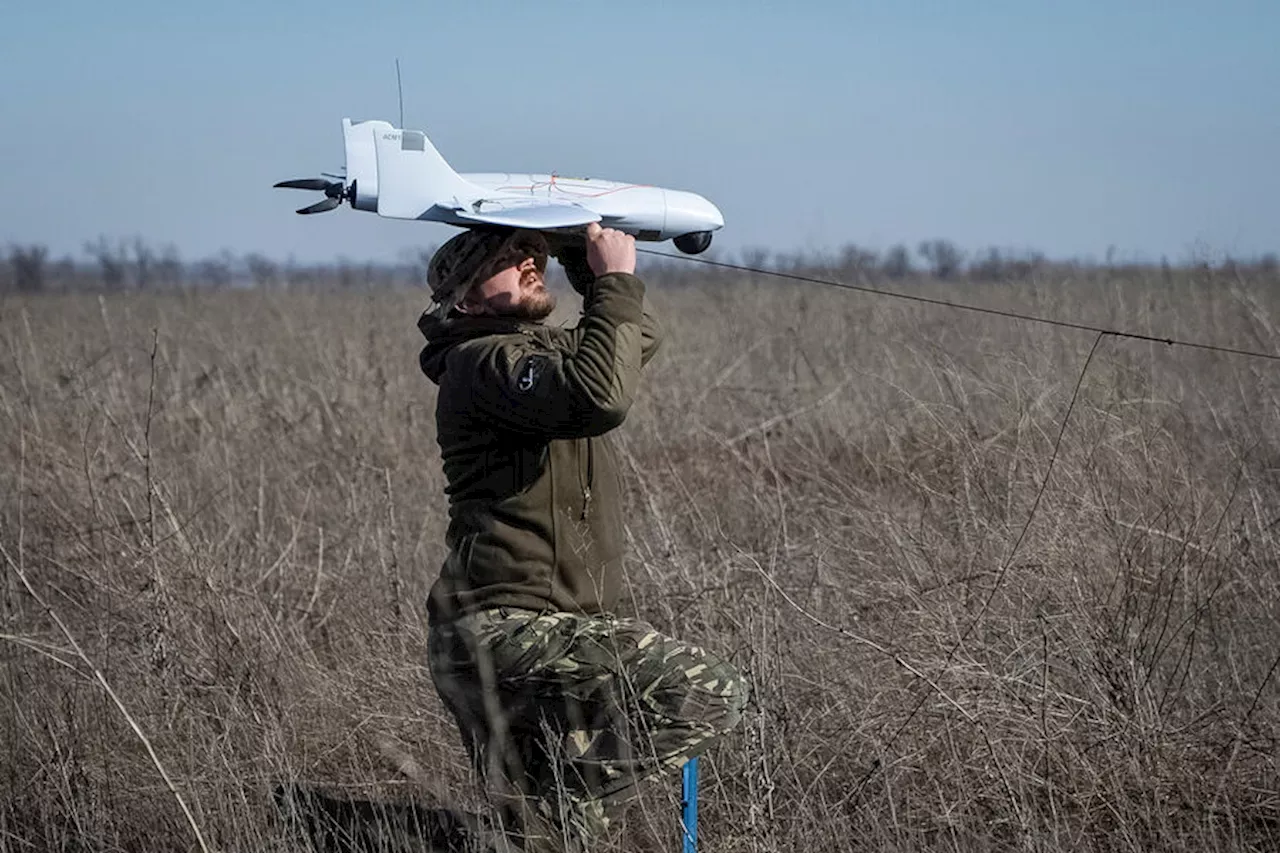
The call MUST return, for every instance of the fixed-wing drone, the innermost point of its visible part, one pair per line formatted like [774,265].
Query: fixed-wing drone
[399,174]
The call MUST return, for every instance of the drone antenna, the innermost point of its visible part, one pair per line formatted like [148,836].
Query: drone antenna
[400,92]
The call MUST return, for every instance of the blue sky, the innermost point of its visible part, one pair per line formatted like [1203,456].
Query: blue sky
[1067,127]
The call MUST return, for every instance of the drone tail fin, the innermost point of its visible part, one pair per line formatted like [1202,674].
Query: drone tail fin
[413,178]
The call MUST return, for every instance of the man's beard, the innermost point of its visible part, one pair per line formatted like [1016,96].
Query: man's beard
[534,306]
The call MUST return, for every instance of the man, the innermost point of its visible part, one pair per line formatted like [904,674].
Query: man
[563,706]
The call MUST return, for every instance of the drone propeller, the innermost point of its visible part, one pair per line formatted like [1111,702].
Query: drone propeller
[322,206]
[335,192]
[307,184]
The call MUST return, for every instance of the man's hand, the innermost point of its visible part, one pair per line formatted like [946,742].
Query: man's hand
[610,250]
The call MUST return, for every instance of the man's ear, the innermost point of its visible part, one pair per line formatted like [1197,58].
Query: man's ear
[470,303]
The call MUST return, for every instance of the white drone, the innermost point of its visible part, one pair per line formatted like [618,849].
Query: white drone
[399,174]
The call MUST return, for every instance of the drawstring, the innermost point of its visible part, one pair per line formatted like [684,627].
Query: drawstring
[586,490]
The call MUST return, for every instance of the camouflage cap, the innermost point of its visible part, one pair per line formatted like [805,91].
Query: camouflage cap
[475,255]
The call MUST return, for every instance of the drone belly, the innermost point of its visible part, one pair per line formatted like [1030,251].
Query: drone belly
[637,210]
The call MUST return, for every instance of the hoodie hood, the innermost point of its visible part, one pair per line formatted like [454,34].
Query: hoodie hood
[444,334]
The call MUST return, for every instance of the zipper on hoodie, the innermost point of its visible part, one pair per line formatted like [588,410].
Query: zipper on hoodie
[586,489]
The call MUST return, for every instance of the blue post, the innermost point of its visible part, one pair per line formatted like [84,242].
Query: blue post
[690,816]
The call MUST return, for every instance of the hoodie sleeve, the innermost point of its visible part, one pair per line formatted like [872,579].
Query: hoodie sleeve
[651,336]
[581,387]
[573,258]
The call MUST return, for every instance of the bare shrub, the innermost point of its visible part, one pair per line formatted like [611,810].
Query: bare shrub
[28,268]
[945,259]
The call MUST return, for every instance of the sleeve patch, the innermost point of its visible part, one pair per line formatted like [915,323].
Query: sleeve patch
[530,369]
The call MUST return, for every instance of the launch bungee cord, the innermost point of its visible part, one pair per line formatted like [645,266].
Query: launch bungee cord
[961,306]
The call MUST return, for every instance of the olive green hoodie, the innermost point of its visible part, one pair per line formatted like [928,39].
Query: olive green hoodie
[535,516]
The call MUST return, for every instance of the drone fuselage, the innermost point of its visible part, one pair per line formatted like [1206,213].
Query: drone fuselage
[399,174]
[646,212]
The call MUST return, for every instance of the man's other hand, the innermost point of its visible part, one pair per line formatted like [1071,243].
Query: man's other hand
[610,250]
[572,255]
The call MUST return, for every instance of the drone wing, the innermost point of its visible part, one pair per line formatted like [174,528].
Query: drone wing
[536,215]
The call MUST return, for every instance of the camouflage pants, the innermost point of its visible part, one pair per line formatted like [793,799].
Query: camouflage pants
[564,714]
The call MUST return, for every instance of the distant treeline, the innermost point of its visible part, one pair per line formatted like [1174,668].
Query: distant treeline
[133,264]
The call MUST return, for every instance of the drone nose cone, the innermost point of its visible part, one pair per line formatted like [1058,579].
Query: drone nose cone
[688,212]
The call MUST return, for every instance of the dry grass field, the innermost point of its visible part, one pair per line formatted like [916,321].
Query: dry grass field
[227,506]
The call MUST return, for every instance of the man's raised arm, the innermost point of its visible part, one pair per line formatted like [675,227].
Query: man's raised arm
[586,386]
